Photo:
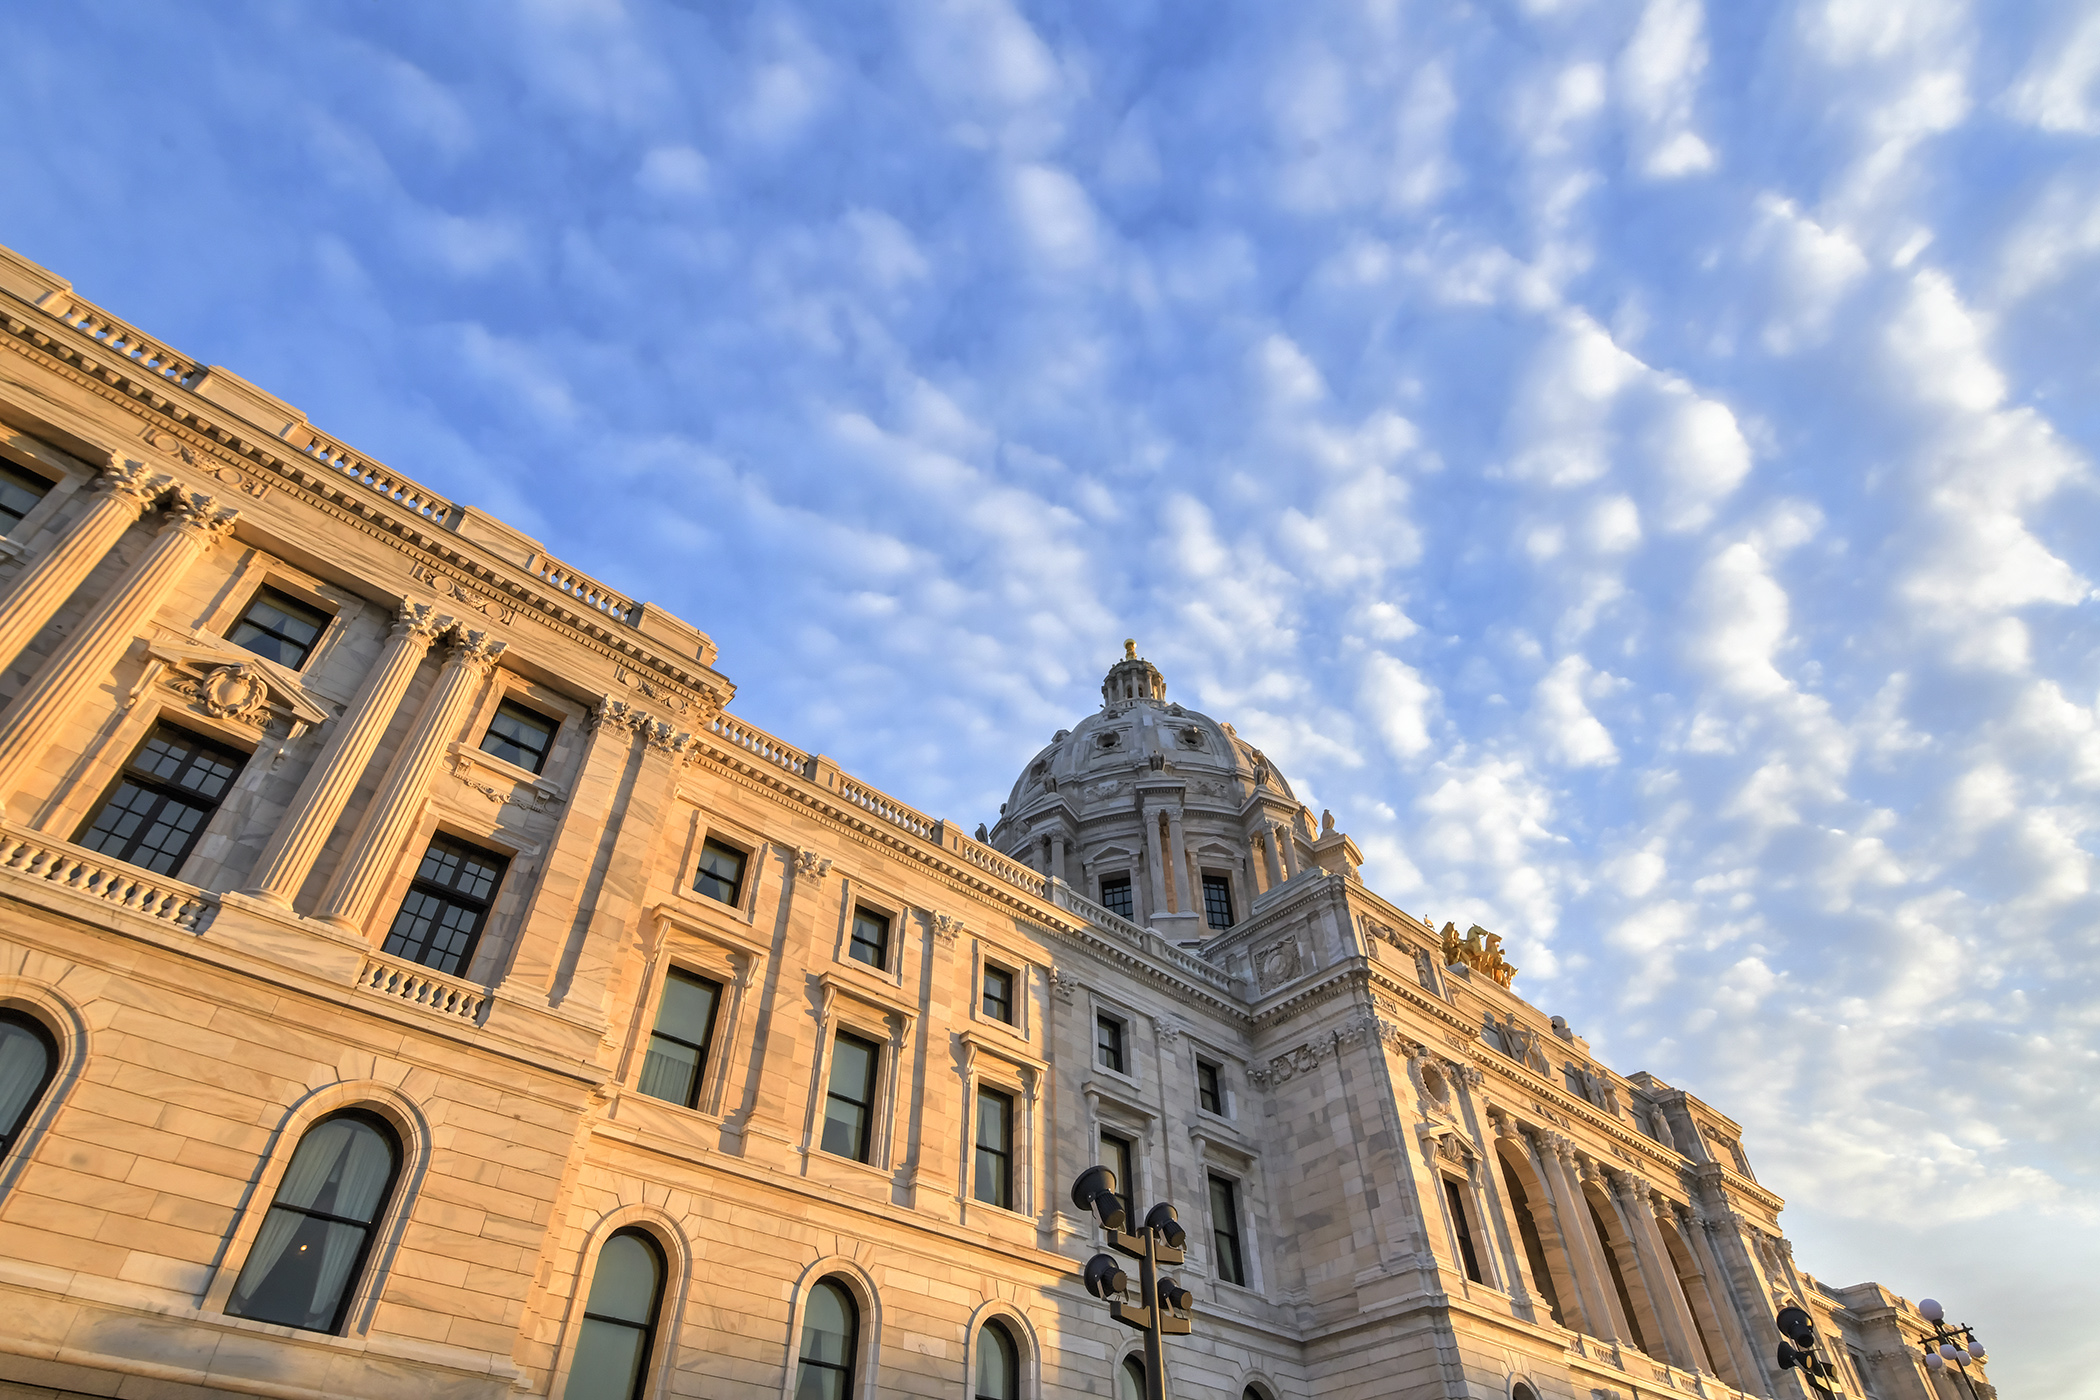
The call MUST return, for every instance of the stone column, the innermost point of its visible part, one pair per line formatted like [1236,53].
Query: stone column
[586,973]
[1271,861]
[1058,857]
[1658,1217]
[124,492]
[377,843]
[313,813]
[1158,861]
[194,524]
[1287,842]
[566,880]
[1578,1240]
[1665,1301]
[1177,838]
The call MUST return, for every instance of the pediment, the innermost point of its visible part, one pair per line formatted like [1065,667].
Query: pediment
[224,681]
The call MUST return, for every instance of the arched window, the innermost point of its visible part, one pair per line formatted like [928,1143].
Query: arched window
[28,1062]
[830,1339]
[998,1363]
[314,1241]
[1130,1379]
[619,1320]
[1521,1391]
[1253,1392]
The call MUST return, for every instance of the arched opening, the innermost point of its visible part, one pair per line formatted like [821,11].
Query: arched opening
[1130,1379]
[311,1250]
[998,1363]
[1521,1391]
[1609,1239]
[619,1320]
[1705,1320]
[830,1343]
[28,1064]
[1543,1252]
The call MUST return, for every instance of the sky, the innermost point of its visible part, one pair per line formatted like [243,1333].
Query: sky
[1632,460]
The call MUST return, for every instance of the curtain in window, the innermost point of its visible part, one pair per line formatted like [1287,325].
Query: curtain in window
[317,1226]
[23,1064]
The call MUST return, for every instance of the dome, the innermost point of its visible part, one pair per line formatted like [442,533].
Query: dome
[1161,814]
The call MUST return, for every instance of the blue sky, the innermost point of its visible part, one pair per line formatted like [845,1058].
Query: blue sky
[1631,459]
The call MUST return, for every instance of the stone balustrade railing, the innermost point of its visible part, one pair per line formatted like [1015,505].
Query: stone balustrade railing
[755,741]
[1003,866]
[886,807]
[582,588]
[419,986]
[401,491]
[122,340]
[30,855]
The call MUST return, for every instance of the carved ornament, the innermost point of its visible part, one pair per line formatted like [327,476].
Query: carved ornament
[809,863]
[946,927]
[238,693]
[194,510]
[447,586]
[1283,1068]
[1479,950]
[1277,964]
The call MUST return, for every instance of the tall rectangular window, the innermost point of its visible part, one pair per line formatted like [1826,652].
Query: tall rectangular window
[1217,901]
[1108,1043]
[19,493]
[870,940]
[849,1101]
[447,904]
[1115,895]
[1573,1077]
[995,1148]
[998,993]
[685,1027]
[280,628]
[163,800]
[1456,1198]
[1209,1097]
[520,735]
[1225,1229]
[1117,1157]
[721,873]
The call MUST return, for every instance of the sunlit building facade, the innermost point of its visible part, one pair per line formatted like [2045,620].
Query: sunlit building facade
[414,982]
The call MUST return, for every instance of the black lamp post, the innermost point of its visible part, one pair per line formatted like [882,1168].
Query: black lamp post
[1949,1347]
[1163,1307]
[1799,1350]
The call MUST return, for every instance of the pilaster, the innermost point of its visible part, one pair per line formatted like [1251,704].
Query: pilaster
[123,492]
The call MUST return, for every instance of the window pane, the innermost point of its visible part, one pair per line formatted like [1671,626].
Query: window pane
[518,735]
[871,939]
[1115,1155]
[688,1007]
[442,914]
[995,1112]
[677,1056]
[851,1094]
[998,1364]
[721,873]
[609,1361]
[625,1286]
[998,994]
[1207,1095]
[26,1064]
[164,800]
[1217,901]
[19,493]
[302,1268]
[671,1072]
[830,1334]
[1115,896]
[1108,1043]
[1130,1380]
[1225,1230]
[280,628]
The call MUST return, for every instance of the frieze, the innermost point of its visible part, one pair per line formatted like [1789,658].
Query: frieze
[452,588]
[1278,965]
[649,689]
[1285,1067]
[527,795]
[222,472]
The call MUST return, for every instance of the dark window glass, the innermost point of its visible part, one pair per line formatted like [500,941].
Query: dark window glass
[849,1103]
[830,1340]
[685,1027]
[521,736]
[279,628]
[1225,1229]
[1209,1096]
[19,493]
[998,994]
[1130,1379]
[721,873]
[1116,1156]
[1108,1043]
[1217,901]
[28,1061]
[619,1321]
[1521,1391]
[998,1364]
[870,940]
[311,1249]
[447,904]
[1115,896]
[1250,1393]
[995,1148]
[1457,1201]
[163,800]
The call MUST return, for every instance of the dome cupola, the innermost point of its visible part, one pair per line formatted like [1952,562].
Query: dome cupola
[1133,680]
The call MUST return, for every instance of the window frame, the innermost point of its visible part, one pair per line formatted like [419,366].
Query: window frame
[986,970]
[1207,881]
[1015,1353]
[652,1331]
[723,992]
[1103,1020]
[886,947]
[416,882]
[269,587]
[856,1338]
[10,467]
[378,1228]
[1126,1171]
[211,740]
[744,883]
[1210,1079]
[1007,1181]
[1465,1248]
[1235,1236]
[866,1153]
[511,700]
[11,1138]
[1123,879]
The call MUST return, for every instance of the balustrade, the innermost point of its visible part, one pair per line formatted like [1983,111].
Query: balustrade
[581,587]
[419,986]
[758,744]
[409,495]
[33,856]
[142,351]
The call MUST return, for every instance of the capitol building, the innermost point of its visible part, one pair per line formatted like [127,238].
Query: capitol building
[416,982]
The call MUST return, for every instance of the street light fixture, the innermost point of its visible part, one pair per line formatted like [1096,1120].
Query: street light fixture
[1163,1307]
[1799,1350]
[1949,1348]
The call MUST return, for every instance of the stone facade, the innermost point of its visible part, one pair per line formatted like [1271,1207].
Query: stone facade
[1435,1189]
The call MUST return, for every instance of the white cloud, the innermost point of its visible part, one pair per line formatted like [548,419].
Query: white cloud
[1658,74]
[1398,701]
[1561,713]
[2057,90]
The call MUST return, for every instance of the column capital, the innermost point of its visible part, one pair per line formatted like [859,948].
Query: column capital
[471,647]
[418,621]
[132,480]
[202,513]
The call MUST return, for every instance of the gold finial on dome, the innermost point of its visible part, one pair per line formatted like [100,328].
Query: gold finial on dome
[1130,648]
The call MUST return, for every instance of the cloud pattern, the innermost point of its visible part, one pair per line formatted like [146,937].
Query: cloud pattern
[1627,457]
